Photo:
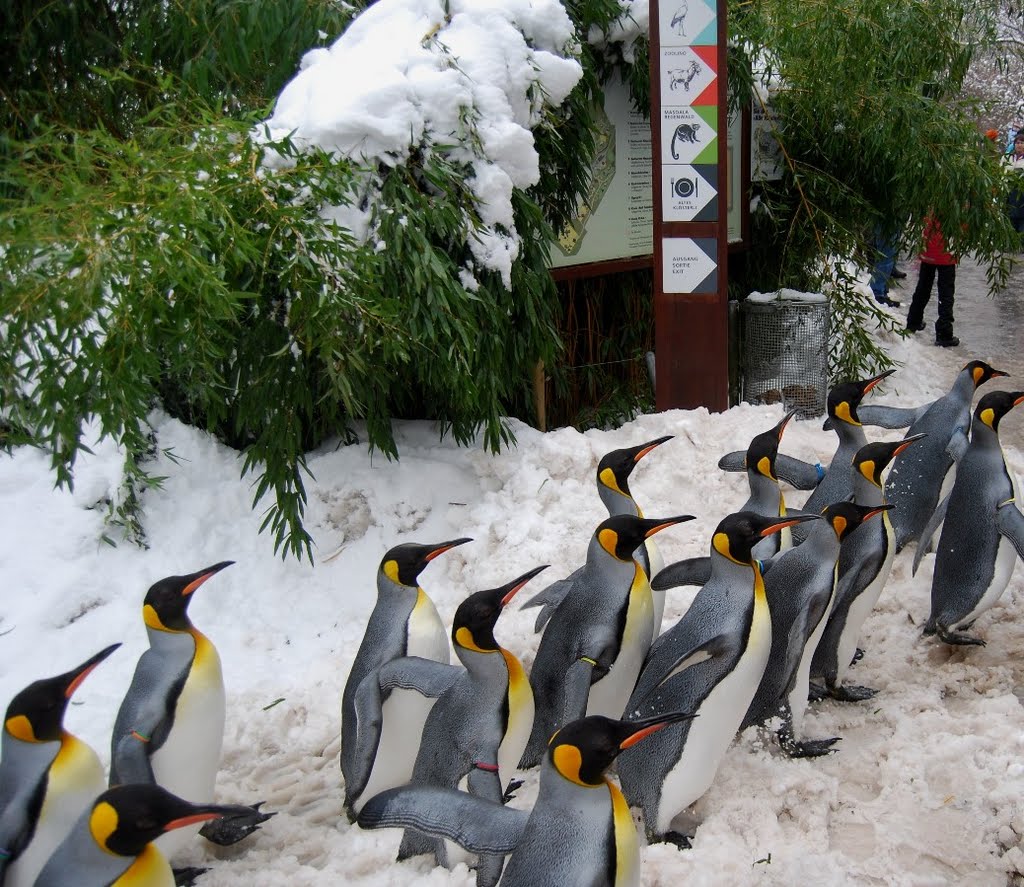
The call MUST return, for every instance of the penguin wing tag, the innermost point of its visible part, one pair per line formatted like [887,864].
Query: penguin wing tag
[924,543]
[1010,523]
[798,474]
[475,824]
[882,416]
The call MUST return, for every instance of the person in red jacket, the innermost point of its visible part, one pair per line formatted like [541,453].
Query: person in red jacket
[935,258]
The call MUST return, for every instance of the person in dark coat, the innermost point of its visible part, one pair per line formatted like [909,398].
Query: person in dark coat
[935,259]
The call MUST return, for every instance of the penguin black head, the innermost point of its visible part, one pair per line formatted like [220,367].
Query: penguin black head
[404,563]
[996,404]
[873,458]
[124,819]
[166,605]
[476,616]
[36,714]
[623,534]
[737,533]
[764,448]
[845,517]
[843,399]
[981,372]
[584,749]
[615,467]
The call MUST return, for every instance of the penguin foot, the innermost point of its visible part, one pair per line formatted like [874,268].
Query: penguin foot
[510,790]
[816,692]
[186,877]
[683,842]
[808,748]
[851,693]
[958,638]
[231,829]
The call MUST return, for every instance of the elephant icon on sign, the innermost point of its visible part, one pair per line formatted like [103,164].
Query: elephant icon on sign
[685,132]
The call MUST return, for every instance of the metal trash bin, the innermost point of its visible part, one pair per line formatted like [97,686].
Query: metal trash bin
[784,350]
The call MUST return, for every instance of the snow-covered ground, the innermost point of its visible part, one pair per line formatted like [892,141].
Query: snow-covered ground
[926,786]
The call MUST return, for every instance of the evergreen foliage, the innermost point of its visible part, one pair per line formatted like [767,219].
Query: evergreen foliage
[875,136]
[150,258]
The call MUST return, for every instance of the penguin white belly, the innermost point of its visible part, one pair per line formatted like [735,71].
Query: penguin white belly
[187,762]
[719,717]
[74,780]
[609,695]
[861,608]
[425,634]
[1006,558]
[403,716]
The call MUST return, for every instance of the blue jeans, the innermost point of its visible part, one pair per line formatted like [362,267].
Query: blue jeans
[885,260]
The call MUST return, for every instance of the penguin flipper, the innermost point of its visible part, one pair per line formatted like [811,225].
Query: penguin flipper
[924,542]
[691,571]
[1010,522]
[882,416]
[798,474]
[958,443]
[549,599]
[475,824]
[425,676]
[576,687]
[734,461]
[141,725]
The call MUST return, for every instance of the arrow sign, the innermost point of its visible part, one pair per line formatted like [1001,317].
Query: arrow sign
[690,264]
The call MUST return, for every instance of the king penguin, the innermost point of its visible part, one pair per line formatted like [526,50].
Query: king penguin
[591,652]
[580,832]
[800,587]
[826,485]
[404,622]
[922,475]
[865,561]
[110,845]
[982,528]
[47,776]
[170,726]
[613,473]
[709,663]
[477,730]
[765,498]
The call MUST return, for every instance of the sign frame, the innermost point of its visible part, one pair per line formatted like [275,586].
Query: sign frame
[691,324]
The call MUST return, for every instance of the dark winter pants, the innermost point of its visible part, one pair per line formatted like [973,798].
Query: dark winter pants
[923,292]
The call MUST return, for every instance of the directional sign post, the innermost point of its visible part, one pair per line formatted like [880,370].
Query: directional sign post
[688,131]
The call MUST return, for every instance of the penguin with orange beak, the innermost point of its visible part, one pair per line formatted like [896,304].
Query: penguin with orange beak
[170,726]
[111,844]
[580,830]
[982,529]
[47,776]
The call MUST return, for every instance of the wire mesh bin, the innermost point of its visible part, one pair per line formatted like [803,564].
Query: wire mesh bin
[784,350]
